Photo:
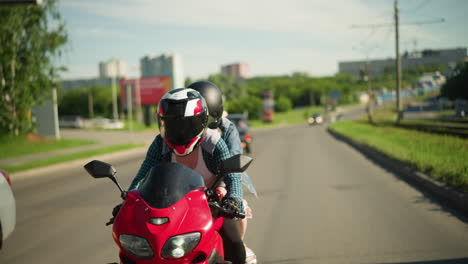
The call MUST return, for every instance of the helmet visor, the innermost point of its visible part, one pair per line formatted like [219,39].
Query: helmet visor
[181,130]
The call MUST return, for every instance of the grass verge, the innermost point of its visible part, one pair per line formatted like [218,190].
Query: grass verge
[441,156]
[69,157]
[16,146]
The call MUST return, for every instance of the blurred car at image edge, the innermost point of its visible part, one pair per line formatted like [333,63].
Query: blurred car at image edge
[7,207]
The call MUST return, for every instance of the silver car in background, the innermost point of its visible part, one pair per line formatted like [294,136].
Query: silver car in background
[7,207]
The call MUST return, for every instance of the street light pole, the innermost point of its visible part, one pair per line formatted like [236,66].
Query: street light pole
[397,64]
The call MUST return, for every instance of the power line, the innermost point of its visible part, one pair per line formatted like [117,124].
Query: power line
[432,21]
[397,24]
[417,8]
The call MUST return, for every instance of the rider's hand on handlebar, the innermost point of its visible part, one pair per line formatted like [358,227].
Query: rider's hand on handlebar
[231,205]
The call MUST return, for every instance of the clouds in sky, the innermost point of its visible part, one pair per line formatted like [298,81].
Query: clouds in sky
[274,37]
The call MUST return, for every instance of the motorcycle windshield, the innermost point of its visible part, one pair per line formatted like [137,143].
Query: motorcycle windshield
[167,183]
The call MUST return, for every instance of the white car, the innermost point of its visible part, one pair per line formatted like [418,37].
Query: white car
[7,207]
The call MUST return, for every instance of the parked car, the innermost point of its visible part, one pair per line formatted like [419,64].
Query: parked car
[243,128]
[106,123]
[71,121]
[315,119]
[7,207]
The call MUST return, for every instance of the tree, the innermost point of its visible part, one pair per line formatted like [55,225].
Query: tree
[75,101]
[251,104]
[457,86]
[31,38]
[187,81]
[231,88]
[283,104]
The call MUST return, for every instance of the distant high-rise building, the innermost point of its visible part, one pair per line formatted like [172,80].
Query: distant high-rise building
[112,68]
[164,65]
[238,70]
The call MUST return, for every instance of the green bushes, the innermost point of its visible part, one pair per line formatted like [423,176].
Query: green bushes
[75,102]
[283,104]
[250,104]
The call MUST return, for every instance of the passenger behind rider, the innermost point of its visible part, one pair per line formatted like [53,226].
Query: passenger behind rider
[214,100]
[184,138]
[230,135]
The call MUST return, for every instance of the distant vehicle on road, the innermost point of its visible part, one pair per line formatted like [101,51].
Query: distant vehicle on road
[7,207]
[71,121]
[243,127]
[315,119]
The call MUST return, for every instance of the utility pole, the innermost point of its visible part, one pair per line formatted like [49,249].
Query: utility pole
[397,49]
[129,96]
[370,105]
[115,114]
[397,65]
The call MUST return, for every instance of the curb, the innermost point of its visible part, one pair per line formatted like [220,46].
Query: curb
[119,155]
[443,193]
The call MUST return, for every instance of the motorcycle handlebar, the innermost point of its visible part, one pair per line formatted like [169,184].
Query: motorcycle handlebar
[111,221]
[225,213]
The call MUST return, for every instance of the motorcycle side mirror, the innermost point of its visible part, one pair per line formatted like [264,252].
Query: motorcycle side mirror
[236,163]
[99,169]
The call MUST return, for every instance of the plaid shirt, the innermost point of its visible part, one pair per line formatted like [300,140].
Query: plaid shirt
[231,137]
[159,151]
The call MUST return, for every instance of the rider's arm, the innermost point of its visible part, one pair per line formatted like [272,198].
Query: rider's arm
[231,137]
[151,157]
[232,180]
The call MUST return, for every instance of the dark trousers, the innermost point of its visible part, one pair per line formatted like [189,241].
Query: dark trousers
[234,249]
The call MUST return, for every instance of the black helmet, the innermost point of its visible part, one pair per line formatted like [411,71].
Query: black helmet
[214,101]
[182,119]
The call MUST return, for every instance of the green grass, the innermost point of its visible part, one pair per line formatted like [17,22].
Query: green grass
[136,126]
[69,157]
[296,116]
[444,157]
[446,112]
[16,146]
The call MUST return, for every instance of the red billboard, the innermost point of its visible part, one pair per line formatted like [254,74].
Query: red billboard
[152,88]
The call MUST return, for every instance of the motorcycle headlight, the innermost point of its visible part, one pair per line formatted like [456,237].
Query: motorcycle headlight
[136,246]
[179,246]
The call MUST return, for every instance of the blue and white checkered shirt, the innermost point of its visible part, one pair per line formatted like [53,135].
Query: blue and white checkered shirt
[231,137]
[159,151]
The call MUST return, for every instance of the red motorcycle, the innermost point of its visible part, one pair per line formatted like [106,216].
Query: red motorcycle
[171,217]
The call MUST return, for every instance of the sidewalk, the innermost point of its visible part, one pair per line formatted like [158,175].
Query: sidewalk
[103,138]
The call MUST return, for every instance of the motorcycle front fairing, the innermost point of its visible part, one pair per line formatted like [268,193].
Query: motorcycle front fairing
[170,202]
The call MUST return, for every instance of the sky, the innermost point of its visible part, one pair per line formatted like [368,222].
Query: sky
[274,37]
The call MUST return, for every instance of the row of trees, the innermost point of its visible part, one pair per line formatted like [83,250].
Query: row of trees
[296,90]
[86,101]
[290,91]
[31,37]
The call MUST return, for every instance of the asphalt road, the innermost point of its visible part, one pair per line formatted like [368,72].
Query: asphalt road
[319,201]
